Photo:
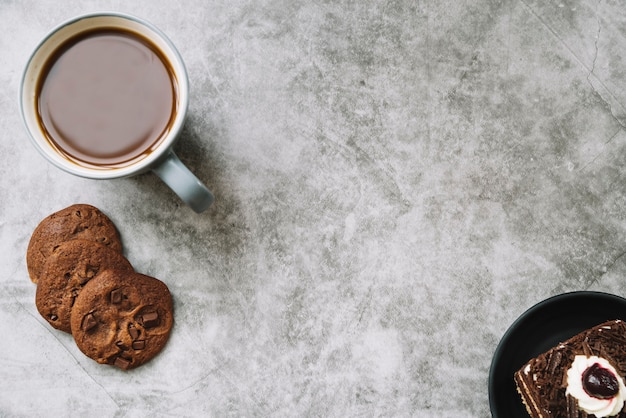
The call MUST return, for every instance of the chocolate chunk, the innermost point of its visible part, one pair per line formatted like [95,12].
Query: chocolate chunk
[139,344]
[88,274]
[89,321]
[73,297]
[133,332]
[150,320]
[122,363]
[79,229]
[116,296]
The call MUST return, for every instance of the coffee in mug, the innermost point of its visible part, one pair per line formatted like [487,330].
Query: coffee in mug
[104,96]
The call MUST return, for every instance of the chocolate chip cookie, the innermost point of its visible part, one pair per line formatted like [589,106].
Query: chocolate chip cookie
[122,318]
[66,272]
[78,221]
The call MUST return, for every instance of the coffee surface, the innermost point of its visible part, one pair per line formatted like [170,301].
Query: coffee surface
[106,99]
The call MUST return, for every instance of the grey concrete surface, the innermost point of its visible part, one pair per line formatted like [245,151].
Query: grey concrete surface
[395,182]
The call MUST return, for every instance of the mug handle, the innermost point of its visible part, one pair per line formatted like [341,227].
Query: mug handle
[183,182]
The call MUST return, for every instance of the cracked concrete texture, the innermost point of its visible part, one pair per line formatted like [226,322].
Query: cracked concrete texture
[396,182]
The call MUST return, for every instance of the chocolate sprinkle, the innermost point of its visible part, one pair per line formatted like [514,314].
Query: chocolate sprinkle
[572,407]
[555,361]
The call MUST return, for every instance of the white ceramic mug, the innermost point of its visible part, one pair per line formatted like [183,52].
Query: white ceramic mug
[161,159]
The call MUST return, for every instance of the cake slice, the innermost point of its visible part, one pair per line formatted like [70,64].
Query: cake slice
[581,377]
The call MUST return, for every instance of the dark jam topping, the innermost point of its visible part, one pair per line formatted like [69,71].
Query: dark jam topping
[599,382]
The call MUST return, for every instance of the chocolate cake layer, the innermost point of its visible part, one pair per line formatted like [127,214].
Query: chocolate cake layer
[542,382]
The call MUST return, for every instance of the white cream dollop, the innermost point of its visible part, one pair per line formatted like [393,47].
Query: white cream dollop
[599,407]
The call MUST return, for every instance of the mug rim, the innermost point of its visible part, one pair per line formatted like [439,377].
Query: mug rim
[144,164]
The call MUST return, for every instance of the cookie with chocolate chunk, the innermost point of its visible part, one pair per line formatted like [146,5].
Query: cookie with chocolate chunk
[66,272]
[78,221]
[122,318]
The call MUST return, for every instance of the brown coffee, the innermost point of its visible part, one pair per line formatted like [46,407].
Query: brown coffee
[106,98]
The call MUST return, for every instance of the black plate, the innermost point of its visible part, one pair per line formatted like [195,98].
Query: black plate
[536,331]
